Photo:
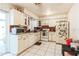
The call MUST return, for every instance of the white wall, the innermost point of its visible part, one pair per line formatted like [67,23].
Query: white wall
[73,17]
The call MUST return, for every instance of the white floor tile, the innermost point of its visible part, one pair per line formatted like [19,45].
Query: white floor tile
[58,54]
[35,47]
[49,53]
[33,51]
[45,49]
[41,52]
[29,54]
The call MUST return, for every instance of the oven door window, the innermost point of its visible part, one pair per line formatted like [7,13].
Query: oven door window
[44,33]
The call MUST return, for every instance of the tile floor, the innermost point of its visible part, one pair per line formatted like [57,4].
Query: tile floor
[45,49]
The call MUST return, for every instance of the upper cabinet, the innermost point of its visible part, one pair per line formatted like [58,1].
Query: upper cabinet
[17,17]
[22,20]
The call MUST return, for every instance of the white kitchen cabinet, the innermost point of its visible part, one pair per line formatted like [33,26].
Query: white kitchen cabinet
[21,43]
[22,19]
[17,17]
[38,36]
[18,43]
[44,22]
[50,22]
[32,38]
[52,36]
[13,44]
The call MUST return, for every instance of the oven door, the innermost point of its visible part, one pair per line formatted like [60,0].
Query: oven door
[45,34]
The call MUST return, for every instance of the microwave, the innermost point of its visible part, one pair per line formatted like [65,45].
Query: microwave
[16,30]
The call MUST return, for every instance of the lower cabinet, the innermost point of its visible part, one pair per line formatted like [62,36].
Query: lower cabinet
[21,43]
[18,43]
[13,44]
[32,38]
[52,36]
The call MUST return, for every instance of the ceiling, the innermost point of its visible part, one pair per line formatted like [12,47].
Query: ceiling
[46,9]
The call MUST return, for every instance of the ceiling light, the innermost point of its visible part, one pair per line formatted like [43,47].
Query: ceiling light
[37,4]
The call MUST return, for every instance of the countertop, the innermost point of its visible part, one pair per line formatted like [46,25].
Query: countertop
[25,33]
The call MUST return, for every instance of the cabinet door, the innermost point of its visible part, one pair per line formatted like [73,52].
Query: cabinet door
[30,39]
[50,37]
[17,18]
[20,44]
[14,17]
[24,42]
[13,44]
[28,44]
[54,36]
[37,35]
[22,19]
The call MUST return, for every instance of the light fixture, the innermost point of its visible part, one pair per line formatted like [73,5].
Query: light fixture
[37,4]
